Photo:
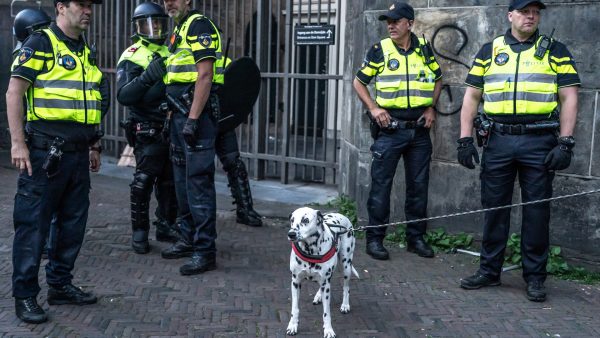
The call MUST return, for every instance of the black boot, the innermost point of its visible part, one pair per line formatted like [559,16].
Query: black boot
[376,249]
[198,264]
[166,232]
[139,242]
[28,310]
[69,294]
[178,250]
[240,191]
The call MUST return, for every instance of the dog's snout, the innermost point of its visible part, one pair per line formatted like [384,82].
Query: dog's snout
[292,235]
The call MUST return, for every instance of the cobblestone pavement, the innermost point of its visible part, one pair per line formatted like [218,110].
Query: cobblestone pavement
[249,294]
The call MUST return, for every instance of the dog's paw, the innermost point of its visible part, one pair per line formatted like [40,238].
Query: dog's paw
[292,329]
[317,299]
[345,308]
[328,333]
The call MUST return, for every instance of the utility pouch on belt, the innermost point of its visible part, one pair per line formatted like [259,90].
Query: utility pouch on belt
[52,160]
[373,126]
[178,105]
[482,125]
[127,125]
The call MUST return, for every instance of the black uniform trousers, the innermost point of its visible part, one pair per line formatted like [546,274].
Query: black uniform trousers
[152,158]
[227,148]
[194,175]
[415,146]
[38,199]
[505,157]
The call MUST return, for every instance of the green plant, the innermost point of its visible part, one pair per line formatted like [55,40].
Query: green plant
[437,238]
[345,206]
[556,265]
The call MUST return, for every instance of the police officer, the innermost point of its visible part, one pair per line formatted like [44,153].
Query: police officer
[140,87]
[195,57]
[26,22]
[67,96]
[522,76]
[407,88]
[237,176]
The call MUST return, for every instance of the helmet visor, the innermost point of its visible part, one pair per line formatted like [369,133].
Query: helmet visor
[151,28]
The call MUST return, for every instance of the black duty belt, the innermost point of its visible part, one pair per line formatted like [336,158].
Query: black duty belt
[403,113]
[529,128]
[144,125]
[401,124]
[44,143]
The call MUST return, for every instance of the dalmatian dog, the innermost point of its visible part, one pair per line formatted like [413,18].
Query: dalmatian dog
[318,243]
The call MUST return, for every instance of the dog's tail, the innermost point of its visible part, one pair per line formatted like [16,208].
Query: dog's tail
[355,272]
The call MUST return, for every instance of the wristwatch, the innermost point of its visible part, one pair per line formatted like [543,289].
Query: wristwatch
[566,141]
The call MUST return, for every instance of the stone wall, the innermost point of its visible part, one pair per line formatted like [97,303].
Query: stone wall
[575,222]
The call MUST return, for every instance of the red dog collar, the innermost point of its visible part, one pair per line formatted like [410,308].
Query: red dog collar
[316,259]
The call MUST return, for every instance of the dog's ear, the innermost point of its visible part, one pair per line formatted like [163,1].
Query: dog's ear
[320,218]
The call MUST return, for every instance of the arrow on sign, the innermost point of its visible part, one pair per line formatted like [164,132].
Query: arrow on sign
[329,32]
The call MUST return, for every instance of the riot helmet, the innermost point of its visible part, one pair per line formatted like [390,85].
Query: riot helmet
[29,20]
[150,22]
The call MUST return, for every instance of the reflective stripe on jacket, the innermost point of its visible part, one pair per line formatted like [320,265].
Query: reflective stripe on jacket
[181,66]
[69,91]
[519,83]
[406,81]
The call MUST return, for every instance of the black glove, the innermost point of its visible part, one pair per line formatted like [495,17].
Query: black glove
[467,152]
[559,157]
[190,132]
[154,72]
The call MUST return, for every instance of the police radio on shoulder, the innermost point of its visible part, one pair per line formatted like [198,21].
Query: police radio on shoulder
[543,46]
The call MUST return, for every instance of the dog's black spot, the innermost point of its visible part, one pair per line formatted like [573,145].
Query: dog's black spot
[294,275]
[345,277]
[318,267]
[305,220]
[295,285]
[298,261]
[324,314]
[327,290]
[347,249]
[349,234]
[326,297]
[322,288]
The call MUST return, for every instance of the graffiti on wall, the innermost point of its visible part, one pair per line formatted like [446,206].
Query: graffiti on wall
[441,50]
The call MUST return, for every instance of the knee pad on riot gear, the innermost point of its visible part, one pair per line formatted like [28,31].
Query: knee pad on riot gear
[229,161]
[141,187]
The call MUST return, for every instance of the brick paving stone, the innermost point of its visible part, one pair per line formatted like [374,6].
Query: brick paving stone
[249,294]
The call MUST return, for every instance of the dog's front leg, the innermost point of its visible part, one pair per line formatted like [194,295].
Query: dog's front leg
[326,298]
[292,328]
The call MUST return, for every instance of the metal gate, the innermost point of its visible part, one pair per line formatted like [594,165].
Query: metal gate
[293,132]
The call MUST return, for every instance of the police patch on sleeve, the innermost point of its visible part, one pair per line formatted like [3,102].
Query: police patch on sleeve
[24,54]
[205,40]
[364,64]
[501,59]
[393,64]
